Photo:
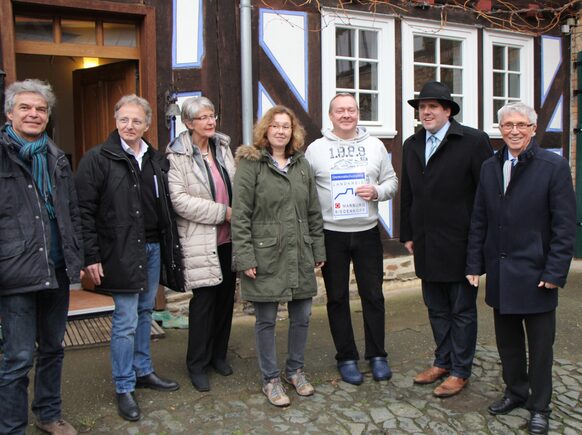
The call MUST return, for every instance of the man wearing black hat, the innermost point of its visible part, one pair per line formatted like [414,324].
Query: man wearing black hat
[440,172]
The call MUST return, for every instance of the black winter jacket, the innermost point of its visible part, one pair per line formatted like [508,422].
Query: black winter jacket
[24,222]
[113,220]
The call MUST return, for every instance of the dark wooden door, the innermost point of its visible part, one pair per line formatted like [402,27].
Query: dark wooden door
[95,92]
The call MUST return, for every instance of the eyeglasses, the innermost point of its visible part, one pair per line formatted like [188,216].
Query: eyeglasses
[521,126]
[135,122]
[280,127]
[206,118]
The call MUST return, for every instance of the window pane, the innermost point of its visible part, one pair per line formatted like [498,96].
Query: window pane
[459,101]
[423,74]
[453,78]
[498,84]
[78,32]
[514,80]
[497,104]
[498,57]
[344,42]
[368,107]
[120,35]
[451,52]
[424,49]
[513,59]
[345,74]
[33,29]
[369,75]
[368,44]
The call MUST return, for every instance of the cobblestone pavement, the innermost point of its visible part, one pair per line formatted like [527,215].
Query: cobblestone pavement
[235,405]
[394,407]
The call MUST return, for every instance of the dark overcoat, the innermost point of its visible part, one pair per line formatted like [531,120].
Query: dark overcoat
[113,220]
[526,235]
[437,199]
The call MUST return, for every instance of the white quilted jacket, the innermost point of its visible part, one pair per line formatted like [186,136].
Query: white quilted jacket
[197,215]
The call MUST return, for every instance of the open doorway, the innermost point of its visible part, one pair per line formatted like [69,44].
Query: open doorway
[86,92]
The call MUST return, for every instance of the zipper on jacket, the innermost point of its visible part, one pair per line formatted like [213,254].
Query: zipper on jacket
[46,256]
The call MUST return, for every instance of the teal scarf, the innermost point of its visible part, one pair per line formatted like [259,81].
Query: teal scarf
[34,154]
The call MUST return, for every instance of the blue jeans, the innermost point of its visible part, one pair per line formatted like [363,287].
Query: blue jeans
[131,328]
[32,320]
[266,316]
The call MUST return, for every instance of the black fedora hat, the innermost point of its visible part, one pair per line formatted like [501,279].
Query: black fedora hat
[436,91]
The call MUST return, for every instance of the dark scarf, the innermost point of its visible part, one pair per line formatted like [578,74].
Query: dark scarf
[34,154]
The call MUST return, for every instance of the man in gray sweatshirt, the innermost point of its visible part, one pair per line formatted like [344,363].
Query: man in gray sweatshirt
[353,172]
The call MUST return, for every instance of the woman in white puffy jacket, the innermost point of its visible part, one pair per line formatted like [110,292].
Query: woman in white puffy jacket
[200,183]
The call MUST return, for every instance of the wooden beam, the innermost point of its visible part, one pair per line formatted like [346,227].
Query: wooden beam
[279,90]
[148,65]
[136,8]
[52,49]
[7,42]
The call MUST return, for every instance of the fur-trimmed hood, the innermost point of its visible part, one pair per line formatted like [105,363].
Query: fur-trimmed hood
[255,154]
[248,152]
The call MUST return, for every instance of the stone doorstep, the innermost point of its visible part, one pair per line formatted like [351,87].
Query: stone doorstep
[398,274]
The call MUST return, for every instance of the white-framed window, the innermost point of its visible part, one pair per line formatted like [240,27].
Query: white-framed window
[358,57]
[445,54]
[508,69]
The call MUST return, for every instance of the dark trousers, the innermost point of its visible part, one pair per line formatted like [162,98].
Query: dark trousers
[452,312]
[529,383]
[210,317]
[32,321]
[364,249]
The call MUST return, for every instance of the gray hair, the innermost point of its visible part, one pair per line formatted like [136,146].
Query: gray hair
[518,107]
[192,106]
[342,94]
[33,86]
[136,101]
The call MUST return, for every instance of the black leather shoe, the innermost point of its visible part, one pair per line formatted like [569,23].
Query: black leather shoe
[222,367]
[200,381]
[127,407]
[539,422]
[154,382]
[503,406]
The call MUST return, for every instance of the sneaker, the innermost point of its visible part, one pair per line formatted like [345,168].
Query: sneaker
[300,382]
[59,427]
[275,392]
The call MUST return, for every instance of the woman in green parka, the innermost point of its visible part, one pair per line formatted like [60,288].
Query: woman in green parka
[277,232]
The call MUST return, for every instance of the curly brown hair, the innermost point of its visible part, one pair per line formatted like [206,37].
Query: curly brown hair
[262,126]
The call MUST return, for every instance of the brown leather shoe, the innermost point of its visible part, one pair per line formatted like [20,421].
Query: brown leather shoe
[59,427]
[430,375]
[451,386]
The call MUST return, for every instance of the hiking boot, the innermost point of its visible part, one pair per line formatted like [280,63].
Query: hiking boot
[275,392]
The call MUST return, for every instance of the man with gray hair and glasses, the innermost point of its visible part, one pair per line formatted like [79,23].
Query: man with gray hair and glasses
[127,220]
[40,255]
[523,230]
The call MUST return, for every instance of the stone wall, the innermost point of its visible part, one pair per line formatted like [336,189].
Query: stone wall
[398,274]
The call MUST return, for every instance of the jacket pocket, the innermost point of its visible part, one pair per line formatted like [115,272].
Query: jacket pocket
[308,260]
[266,255]
[11,249]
